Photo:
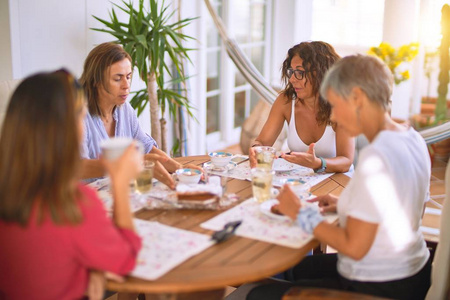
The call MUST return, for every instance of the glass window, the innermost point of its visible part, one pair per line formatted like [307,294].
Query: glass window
[239,108]
[360,22]
[212,111]
[213,70]
[212,36]
[257,21]
[257,58]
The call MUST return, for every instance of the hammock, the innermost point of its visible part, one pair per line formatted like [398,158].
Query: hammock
[263,88]
[436,133]
[245,66]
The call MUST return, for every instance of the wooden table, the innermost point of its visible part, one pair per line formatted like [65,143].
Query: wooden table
[231,263]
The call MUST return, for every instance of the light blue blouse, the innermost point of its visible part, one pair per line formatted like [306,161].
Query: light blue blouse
[127,125]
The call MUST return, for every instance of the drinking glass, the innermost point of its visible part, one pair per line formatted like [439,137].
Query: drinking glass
[262,183]
[143,182]
[300,188]
[264,156]
[215,177]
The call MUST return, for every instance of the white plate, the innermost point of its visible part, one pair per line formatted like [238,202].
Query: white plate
[265,209]
[230,166]
[282,165]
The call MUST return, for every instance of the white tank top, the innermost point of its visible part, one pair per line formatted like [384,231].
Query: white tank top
[325,146]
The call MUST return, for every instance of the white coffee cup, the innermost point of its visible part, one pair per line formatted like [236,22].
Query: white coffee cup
[114,147]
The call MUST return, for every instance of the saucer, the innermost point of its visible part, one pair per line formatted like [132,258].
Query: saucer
[230,166]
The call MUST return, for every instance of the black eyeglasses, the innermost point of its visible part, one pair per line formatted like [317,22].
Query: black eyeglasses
[299,74]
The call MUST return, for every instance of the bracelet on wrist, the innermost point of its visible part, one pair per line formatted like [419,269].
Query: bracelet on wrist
[323,167]
[308,218]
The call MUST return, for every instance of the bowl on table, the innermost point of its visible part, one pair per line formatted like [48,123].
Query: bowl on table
[188,176]
[220,159]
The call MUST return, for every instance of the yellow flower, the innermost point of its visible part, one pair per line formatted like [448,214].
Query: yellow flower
[393,57]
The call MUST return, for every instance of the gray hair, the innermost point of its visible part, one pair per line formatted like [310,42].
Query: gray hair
[368,73]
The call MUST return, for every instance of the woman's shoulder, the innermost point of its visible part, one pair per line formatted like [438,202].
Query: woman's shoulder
[283,99]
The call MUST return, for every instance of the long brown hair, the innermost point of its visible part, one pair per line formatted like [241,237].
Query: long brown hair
[95,71]
[40,150]
[317,58]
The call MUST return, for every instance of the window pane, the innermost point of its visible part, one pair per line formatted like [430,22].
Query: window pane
[212,114]
[213,70]
[241,20]
[212,36]
[360,22]
[257,22]
[258,58]
[239,79]
[239,108]
[254,98]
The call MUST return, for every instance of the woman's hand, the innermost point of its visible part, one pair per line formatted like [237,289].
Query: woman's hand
[252,157]
[307,159]
[289,202]
[96,285]
[327,203]
[161,174]
[126,167]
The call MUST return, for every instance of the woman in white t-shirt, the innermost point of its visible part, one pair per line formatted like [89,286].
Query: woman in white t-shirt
[381,250]
[314,141]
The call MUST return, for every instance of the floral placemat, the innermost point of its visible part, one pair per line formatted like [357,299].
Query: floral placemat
[259,226]
[102,187]
[165,247]
[242,172]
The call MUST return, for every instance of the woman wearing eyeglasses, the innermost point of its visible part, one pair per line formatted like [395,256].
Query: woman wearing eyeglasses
[314,141]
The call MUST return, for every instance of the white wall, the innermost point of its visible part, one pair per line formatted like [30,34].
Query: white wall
[53,34]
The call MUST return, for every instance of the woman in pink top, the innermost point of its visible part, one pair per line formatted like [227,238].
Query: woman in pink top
[53,230]
[314,141]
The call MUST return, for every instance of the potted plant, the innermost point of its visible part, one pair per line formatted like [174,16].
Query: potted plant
[149,37]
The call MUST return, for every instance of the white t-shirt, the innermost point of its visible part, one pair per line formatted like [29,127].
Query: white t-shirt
[389,187]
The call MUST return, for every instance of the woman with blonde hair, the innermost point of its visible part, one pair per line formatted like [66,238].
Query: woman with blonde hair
[53,229]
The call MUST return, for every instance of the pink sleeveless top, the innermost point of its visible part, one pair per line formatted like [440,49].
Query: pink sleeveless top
[325,146]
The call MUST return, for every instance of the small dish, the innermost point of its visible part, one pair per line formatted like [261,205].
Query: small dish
[188,176]
[282,165]
[228,167]
[266,206]
[220,159]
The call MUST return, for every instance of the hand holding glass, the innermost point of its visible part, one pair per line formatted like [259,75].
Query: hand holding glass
[264,156]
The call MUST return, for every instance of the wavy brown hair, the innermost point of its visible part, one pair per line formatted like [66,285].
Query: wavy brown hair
[95,71]
[40,150]
[317,58]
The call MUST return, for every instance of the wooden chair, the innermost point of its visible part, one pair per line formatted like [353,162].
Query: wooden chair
[440,278]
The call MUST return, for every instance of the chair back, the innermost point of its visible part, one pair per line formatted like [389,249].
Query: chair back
[440,277]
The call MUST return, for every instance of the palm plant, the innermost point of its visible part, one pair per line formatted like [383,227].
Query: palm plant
[149,37]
